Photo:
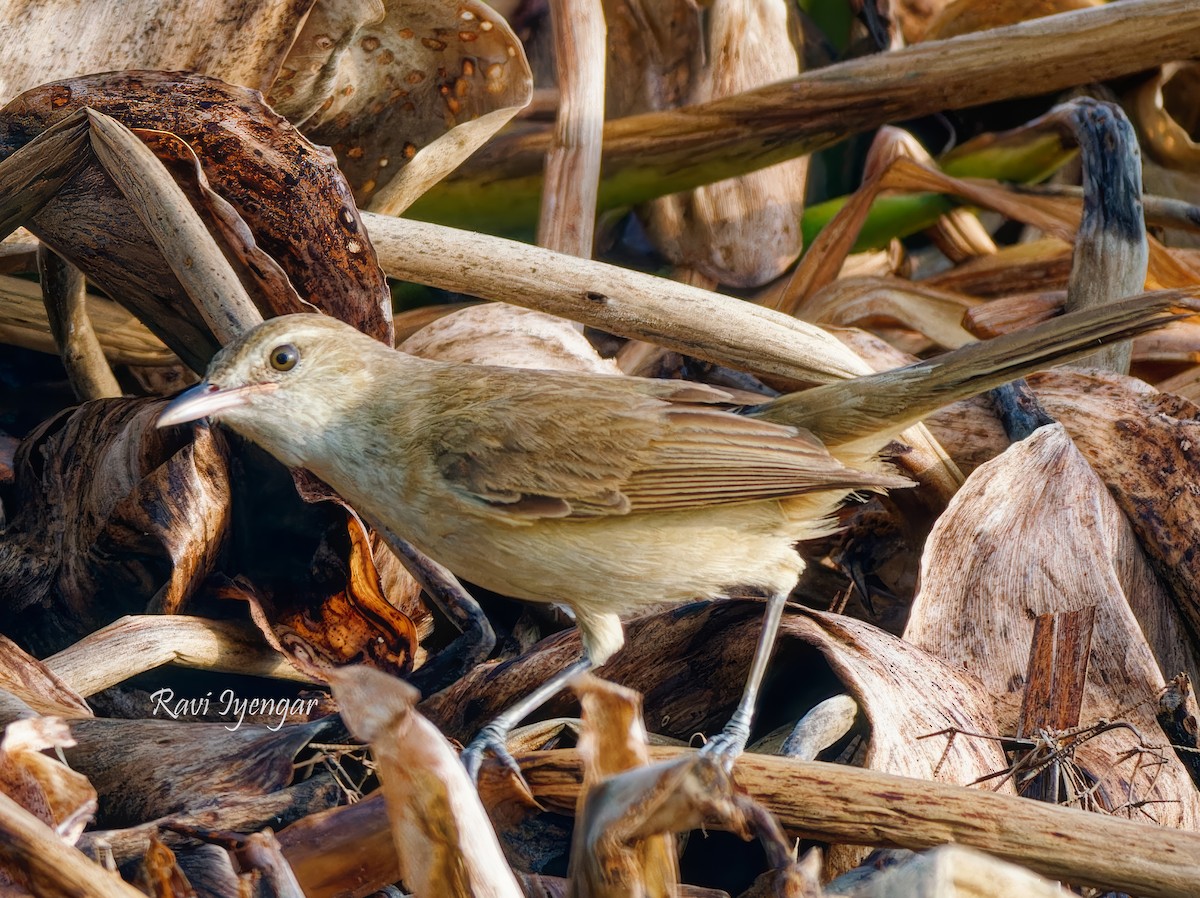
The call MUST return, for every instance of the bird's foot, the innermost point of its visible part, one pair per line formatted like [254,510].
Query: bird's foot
[728,745]
[491,739]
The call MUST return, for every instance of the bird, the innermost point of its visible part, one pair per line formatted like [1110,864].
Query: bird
[603,493]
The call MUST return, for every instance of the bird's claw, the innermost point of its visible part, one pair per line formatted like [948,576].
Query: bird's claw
[491,739]
[726,747]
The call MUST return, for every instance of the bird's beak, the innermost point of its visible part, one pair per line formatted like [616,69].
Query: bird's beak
[206,399]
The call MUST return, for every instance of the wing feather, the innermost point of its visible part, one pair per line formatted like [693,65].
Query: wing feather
[571,446]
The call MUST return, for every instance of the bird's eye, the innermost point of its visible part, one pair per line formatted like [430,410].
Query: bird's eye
[285,357]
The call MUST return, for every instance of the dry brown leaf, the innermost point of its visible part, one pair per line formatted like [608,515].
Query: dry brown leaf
[938,314]
[609,855]
[1143,445]
[243,43]
[343,850]
[59,796]
[1012,312]
[159,874]
[36,684]
[320,605]
[443,839]
[995,560]
[260,854]
[967,16]
[288,193]
[166,766]
[1167,139]
[742,231]
[402,91]
[957,872]
[959,233]
[105,502]
[500,334]
[33,855]
[1041,265]
[623,810]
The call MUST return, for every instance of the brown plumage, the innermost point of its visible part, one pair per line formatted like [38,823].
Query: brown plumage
[602,493]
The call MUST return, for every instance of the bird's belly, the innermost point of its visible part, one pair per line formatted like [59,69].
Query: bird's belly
[621,563]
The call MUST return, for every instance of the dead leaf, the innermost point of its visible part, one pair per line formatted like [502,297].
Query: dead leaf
[443,838]
[402,91]
[995,560]
[112,516]
[289,193]
[61,797]
[243,43]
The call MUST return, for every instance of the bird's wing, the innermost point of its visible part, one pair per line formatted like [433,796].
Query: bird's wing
[572,446]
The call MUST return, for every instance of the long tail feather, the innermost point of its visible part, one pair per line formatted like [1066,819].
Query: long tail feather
[862,414]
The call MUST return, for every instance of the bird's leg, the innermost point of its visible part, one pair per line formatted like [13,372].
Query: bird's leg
[494,736]
[452,599]
[731,741]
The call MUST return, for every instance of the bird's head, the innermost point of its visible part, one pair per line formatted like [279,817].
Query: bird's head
[281,384]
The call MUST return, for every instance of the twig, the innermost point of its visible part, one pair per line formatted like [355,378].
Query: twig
[850,805]
[568,216]
[64,291]
[135,644]
[52,868]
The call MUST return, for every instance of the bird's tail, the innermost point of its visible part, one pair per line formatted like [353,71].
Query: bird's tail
[863,413]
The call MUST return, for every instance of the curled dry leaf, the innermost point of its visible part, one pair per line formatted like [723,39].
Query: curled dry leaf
[937,314]
[1167,139]
[1023,267]
[159,874]
[332,610]
[150,768]
[967,16]
[1009,313]
[679,795]
[742,231]
[1144,445]
[61,797]
[110,516]
[261,855]
[36,685]
[292,202]
[242,42]
[345,849]
[402,91]
[994,561]
[443,839]
[612,854]
[500,334]
[959,234]
[957,871]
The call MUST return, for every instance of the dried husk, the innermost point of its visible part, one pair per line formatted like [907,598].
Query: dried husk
[158,767]
[500,334]
[61,797]
[967,16]
[613,852]
[104,502]
[402,91]
[955,872]
[65,39]
[742,231]
[37,685]
[443,839]
[995,560]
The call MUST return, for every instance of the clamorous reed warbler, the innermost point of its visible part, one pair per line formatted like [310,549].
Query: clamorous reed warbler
[603,493]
